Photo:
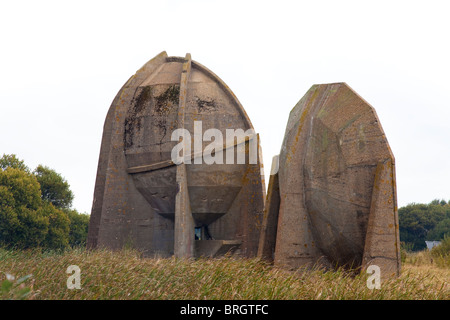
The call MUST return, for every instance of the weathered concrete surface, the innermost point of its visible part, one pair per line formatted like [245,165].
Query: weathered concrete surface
[337,191]
[184,221]
[268,237]
[378,247]
[141,198]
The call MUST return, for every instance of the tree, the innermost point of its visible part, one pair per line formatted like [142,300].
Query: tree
[420,222]
[57,236]
[79,224]
[35,208]
[21,223]
[11,161]
[54,188]
[441,230]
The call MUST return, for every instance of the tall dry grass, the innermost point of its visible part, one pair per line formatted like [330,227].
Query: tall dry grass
[126,275]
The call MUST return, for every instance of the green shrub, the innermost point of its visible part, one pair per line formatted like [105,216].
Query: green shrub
[22,224]
[55,189]
[11,161]
[79,224]
[58,231]
[35,208]
[441,253]
[443,249]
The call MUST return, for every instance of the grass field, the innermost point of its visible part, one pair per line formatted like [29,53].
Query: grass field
[126,275]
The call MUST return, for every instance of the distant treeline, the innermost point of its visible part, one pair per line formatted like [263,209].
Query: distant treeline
[35,208]
[421,222]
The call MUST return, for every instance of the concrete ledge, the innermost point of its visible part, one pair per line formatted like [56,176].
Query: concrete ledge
[214,248]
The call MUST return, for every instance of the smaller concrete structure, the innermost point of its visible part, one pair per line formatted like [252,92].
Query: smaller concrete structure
[332,198]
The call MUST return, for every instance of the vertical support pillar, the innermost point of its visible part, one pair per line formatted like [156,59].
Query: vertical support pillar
[268,235]
[184,222]
[382,245]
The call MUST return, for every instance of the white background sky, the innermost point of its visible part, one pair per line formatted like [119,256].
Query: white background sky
[62,63]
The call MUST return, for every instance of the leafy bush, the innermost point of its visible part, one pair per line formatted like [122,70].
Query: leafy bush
[35,208]
[443,249]
[55,189]
[11,161]
[420,222]
[79,224]
[22,224]
[58,232]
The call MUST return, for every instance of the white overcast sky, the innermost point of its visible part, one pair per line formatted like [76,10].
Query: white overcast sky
[62,63]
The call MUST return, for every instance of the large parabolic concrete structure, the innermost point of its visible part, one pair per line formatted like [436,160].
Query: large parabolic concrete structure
[146,199]
[332,192]
[331,199]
